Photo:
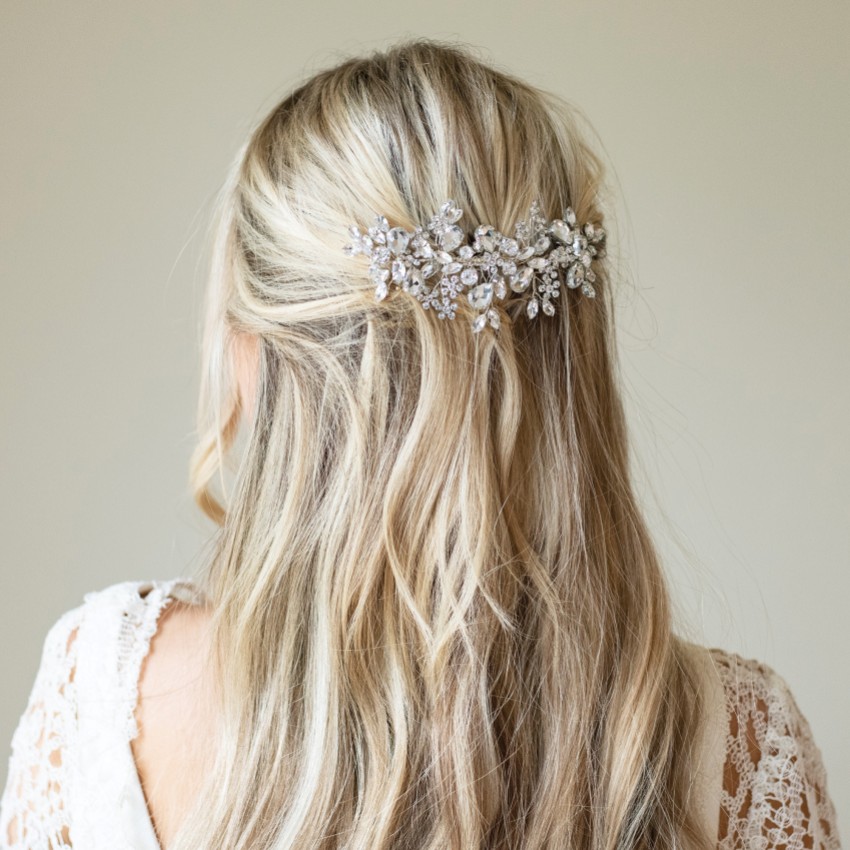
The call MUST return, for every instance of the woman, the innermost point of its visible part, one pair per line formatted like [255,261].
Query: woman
[433,616]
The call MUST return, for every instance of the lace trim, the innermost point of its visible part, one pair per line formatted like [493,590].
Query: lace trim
[774,781]
[33,812]
[44,775]
[138,626]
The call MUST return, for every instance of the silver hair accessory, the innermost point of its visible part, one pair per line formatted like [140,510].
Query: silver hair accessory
[436,264]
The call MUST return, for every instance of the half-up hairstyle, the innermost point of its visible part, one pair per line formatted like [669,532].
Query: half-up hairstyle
[439,620]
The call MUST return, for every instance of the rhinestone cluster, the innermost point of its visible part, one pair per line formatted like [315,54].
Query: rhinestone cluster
[436,263]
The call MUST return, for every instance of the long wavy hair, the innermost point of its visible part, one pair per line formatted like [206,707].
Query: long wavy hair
[439,621]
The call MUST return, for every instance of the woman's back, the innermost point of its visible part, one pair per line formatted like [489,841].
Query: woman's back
[115,740]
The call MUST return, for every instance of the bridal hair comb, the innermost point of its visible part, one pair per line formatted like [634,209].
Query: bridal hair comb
[436,263]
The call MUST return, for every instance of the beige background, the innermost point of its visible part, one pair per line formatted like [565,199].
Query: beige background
[727,127]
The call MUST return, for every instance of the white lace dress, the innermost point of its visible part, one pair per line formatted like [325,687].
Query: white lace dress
[72,780]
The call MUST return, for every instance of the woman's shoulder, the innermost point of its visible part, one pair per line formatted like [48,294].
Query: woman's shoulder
[771,759]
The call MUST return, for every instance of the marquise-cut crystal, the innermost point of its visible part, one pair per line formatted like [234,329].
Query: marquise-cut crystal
[588,290]
[480,323]
[493,317]
[378,274]
[499,287]
[537,263]
[531,309]
[525,253]
[548,308]
[399,270]
[428,269]
[414,280]
[520,281]
[481,295]
[381,290]
[397,240]
[453,267]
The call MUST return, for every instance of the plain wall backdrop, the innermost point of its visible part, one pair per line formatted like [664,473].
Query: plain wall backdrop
[726,127]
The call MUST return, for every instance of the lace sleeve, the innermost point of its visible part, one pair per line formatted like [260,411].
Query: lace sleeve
[33,809]
[774,784]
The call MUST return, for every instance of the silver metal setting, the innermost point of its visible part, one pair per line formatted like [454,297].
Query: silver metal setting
[437,263]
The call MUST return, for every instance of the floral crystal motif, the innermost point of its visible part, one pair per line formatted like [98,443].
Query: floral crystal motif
[437,264]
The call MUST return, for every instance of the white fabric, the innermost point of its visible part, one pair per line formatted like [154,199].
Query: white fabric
[72,780]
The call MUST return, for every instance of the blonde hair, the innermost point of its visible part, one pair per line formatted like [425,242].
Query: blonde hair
[439,619]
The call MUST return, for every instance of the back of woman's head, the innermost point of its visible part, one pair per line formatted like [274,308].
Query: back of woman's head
[439,619]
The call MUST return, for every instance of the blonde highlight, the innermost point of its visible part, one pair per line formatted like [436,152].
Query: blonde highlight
[439,617]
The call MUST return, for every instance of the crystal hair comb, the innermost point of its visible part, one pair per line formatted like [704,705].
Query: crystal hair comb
[436,264]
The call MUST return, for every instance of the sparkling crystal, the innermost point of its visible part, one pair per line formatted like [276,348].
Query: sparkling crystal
[382,255]
[570,216]
[378,235]
[509,267]
[428,269]
[354,231]
[526,252]
[537,263]
[586,258]
[542,244]
[520,281]
[481,295]
[378,274]
[480,323]
[414,280]
[575,276]
[548,308]
[500,287]
[588,290]
[579,243]
[451,237]
[469,276]
[531,309]
[397,240]
[365,244]
[560,230]
[509,247]
[399,271]
[453,267]
[493,317]
[381,291]
[443,257]
[486,237]
[465,252]
[451,212]
[426,250]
